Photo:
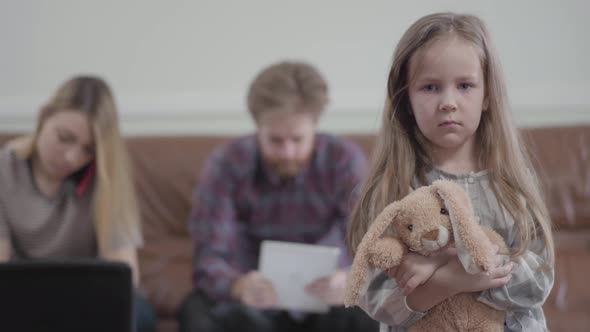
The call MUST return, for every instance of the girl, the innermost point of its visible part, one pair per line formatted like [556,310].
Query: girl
[66,191]
[447,116]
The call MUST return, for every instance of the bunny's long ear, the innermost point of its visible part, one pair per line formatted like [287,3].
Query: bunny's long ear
[360,265]
[473,245]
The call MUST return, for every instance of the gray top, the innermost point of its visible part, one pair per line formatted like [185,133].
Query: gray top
[522,298]
[38,226]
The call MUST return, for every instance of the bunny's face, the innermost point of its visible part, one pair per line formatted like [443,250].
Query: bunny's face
[422,222]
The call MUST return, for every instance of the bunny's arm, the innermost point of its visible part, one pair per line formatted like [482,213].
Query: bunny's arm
[386,253]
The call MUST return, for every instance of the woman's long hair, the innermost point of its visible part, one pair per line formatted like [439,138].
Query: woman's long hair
[115,203]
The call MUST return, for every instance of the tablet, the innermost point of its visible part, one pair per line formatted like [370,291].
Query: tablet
[292,266]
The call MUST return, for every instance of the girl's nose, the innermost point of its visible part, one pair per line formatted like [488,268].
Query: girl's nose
[448,102]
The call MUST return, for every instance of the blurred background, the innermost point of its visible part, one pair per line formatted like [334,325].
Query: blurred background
[182,67]
[180,71]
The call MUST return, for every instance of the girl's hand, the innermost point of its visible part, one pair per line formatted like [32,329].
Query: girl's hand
[462,282]
[415,269]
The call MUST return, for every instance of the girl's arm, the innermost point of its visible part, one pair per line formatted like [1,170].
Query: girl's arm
[385,299]
[452,279]
[385,302]
[125,255]
[532,279]
[531,283]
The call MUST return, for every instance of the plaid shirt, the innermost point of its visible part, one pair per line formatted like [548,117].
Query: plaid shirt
[239,202]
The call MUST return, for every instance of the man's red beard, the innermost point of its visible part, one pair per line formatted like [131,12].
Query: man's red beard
[287,169]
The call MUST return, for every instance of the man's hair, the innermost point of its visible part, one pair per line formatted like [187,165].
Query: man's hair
[288,86]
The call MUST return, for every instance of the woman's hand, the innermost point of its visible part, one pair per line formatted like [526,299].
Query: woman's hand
[126,255]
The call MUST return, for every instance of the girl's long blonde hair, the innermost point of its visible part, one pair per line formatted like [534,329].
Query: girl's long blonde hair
[402,151]
[115,203]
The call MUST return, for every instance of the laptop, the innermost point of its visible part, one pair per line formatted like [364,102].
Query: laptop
[44,296]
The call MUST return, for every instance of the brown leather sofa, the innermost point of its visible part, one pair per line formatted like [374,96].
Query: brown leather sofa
[166,170]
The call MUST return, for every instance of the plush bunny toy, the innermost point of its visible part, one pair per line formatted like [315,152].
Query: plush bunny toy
[427,220]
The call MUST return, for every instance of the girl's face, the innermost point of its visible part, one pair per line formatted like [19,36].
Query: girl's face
[65,143]
[447,92]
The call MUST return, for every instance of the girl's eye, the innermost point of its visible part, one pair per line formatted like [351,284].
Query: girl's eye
[444,211]
[465,86]
[429,87]
[65,138]
[410,227]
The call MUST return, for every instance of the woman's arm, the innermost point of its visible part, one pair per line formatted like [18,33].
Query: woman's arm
[5,242]
[5,250]
[125,255]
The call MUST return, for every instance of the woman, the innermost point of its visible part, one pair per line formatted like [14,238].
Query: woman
[66,191]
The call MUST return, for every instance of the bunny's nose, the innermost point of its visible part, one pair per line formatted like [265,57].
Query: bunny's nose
[432,235]
[436,239]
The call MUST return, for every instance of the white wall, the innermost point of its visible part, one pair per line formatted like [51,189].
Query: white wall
[182,66]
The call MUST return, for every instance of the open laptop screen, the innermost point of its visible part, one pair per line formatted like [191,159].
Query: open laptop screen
[65,296]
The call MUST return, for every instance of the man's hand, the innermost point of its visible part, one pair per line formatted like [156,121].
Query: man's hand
[255,290]
[329,290]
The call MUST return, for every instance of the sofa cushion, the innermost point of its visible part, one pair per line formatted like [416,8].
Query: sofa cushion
[166,171]
[562,158]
